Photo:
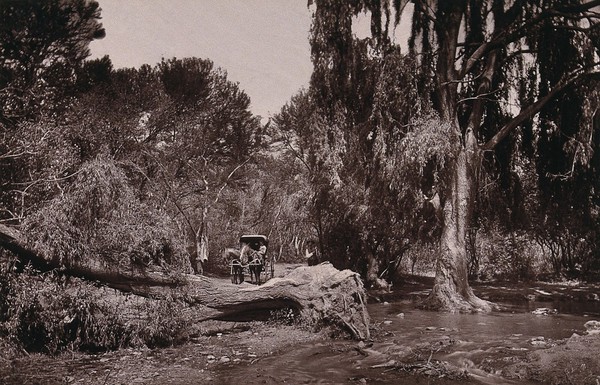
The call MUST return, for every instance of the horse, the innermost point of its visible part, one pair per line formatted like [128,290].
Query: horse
[244,257]
[255,266]
[235,260]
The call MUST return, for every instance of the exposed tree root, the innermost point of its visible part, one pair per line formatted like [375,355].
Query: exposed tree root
[443,299]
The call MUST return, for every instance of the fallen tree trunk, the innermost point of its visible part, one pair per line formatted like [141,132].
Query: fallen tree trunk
[319,293]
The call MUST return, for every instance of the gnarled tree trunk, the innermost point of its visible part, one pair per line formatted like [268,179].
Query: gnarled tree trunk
[451,290]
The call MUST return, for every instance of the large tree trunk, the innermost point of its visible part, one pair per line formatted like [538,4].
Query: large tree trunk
[320,293]
[451,290]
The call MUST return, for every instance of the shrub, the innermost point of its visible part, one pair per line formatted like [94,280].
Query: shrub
[159,324]
[50,313]
[508,256]
[99,219]
[47,314]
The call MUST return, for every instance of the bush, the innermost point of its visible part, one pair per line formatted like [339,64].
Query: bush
[159,325]
[99,219]
[49,313]
[45,314]
[420,259]
[508,256]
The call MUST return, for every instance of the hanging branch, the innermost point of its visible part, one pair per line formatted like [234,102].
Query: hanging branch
[534,108]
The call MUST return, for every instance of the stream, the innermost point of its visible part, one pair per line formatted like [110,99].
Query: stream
[412,346]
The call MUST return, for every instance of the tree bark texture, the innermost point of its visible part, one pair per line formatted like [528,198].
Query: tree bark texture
[451,290]
[321,294]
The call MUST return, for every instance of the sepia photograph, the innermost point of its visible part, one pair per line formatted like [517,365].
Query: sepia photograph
[299,192]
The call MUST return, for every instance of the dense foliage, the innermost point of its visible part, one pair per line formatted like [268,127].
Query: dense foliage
[50,313]
[132,168]
[486,68]
[163,166]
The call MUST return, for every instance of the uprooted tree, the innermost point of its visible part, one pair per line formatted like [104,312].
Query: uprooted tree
[100,231]
[320,293]
[487,68]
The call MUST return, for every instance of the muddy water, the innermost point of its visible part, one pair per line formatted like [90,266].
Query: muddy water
[413,346]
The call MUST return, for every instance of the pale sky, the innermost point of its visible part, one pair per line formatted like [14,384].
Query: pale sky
[262,44]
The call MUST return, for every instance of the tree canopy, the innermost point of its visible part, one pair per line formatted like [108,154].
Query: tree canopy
[488,70]
[486,128]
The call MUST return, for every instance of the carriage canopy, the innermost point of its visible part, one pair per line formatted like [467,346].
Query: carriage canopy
[253,240]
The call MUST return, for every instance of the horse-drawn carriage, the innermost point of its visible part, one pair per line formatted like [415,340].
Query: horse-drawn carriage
[251,259]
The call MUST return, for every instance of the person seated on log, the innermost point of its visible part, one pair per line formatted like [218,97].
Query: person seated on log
[311,254]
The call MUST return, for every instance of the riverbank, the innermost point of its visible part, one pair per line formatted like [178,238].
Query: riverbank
[251,346]
[221,344]
[571,361]
[408,346]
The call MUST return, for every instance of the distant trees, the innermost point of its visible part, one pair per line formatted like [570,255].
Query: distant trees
[205,136]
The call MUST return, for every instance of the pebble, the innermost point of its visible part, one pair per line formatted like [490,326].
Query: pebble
[538,341]
[400,315]
[592,327]
[544,311]
[387,322]
[224,359]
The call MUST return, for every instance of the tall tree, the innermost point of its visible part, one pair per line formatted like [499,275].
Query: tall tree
[42,47]
[42,44]
[205,136]
[473,52]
